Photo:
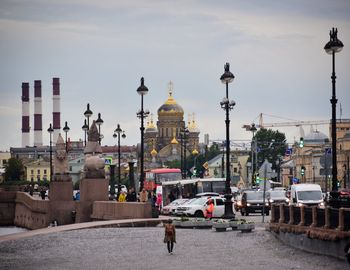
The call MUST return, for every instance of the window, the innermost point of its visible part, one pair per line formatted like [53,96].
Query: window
[38,171]
[32,171]
[235,170]
[219,202]
[45,171]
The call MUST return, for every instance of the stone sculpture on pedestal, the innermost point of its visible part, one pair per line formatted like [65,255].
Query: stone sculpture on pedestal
[61,167]
[94,163]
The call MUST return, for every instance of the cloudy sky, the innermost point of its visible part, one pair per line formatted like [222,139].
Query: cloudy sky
[101,49]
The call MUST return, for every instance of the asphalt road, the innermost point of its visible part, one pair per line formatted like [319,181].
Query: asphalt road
[143,248]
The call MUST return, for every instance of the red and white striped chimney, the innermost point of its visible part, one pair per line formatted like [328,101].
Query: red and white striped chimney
[38,118]
[56,109]
[25,114]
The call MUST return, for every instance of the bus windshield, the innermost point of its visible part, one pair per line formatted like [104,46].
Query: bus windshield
[309,195]
[164,177]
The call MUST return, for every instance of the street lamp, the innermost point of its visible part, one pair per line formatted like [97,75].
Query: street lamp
[88,114]
[142,90]
[99,122]
[195,154]
[227,105]
[253,130]
[333,46]
[50,131]
[116,134]
[184,134]
[66,129]
[85,127]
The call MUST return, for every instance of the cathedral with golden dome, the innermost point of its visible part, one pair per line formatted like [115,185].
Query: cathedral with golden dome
[163,140]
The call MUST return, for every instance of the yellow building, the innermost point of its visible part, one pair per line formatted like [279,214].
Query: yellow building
[37,170]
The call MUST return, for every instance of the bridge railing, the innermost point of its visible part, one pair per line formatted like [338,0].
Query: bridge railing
[313,217]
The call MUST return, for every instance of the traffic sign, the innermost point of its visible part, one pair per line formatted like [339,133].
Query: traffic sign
[328,151]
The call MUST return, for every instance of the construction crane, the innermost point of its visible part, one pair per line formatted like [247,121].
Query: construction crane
[293,122]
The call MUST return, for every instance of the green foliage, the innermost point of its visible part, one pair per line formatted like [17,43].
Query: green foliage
[272,144]
[14,170]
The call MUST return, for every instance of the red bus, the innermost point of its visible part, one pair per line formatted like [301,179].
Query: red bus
[156,177]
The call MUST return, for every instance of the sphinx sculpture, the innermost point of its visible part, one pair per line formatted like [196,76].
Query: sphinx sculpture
[94,163]
[61,168]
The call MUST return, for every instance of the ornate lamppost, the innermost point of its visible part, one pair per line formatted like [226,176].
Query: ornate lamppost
[99,123]
[184,134]
[66,130]
[50,131]
[116,134]
[85,127]
[142,90]
[253,130]
[334,45]
[227,105]
[88,113]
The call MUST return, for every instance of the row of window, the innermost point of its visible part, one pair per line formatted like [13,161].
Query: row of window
[38,171]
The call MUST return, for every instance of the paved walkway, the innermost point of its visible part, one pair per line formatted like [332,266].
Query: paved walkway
[143,248]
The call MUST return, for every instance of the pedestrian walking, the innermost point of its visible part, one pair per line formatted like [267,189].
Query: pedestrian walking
[131,196]
[170,237]
[122,197]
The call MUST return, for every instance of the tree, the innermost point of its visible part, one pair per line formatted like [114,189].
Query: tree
[270,145]
[14,170]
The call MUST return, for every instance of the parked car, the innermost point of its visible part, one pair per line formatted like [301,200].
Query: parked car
[170,208]
[197,207]
[207,194]
[276,196]
[238,203]
[253,201]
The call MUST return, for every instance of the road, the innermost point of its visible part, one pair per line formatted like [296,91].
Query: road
[142,248]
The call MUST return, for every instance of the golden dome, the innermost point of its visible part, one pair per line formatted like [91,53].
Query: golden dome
[154,152]
[150,125]
[195,152]
[170,106]
[174,141]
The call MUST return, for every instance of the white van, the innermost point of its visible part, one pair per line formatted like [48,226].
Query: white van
[306,194]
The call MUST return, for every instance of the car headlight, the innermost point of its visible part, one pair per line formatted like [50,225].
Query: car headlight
[266,204]
[287,200]
[248,204]
[239,203]
[299,204]
[321,204]
[271,201]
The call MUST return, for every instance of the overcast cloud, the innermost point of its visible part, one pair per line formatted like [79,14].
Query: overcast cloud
[101,49]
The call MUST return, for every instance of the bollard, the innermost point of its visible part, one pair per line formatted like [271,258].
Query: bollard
[341,219]
[291,215]
[281,220]
[302,216]
[314,216]
[326,217]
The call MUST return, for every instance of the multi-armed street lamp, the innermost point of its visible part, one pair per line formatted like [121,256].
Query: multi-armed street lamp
[142,90]
[184,135]
[66,130]
[116,134]
[50,131]
[333,46]
[99,123]
[253,147]
[227,105]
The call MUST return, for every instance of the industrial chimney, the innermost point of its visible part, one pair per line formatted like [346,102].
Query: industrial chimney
[56,108]
[25,114]
[38,119]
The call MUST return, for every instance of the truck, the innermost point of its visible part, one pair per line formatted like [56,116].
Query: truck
[306,194]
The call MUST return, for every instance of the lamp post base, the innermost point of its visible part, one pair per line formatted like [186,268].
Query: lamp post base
[228,207]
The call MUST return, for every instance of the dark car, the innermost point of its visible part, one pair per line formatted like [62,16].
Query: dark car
[253,202]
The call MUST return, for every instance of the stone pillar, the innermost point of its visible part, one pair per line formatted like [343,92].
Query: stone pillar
[302,216]
[341,219]
[326,217]
[281,220]
[314,216]
[291,215]
[272,220]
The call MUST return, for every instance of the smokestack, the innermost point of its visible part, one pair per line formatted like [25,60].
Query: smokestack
[38,119]
[56,108]
[25,114]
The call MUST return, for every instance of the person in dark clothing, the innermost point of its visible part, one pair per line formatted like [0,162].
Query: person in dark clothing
[170,237]
[171,196]
[131,196]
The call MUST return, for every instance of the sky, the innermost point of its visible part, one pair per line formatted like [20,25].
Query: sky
[101,49]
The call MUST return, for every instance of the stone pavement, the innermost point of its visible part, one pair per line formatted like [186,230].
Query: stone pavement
[143,248]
